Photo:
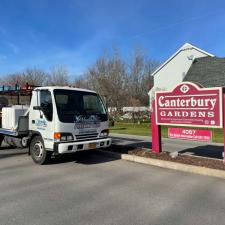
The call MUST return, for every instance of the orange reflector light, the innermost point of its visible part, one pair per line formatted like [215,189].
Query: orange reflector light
[57,135]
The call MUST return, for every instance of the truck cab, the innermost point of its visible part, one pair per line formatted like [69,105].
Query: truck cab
[64,120]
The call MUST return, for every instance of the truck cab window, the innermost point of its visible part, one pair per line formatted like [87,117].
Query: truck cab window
[46,104]
[72,103]
[93,104]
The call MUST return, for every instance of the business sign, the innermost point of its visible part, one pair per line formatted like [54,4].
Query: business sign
[190,134]
[189,105]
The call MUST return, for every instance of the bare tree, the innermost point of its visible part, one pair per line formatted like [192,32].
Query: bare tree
[12,79]
[80,81]
[121,82]
[32,76]
[140,79]
[59,75]
[108,77]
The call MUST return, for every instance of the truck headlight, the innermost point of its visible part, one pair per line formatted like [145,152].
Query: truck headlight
[104,133]
[63,137]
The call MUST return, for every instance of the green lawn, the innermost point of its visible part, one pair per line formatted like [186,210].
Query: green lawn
[145,130]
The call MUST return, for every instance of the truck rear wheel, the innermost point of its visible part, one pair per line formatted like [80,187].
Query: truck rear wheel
[38,151]
[1,139]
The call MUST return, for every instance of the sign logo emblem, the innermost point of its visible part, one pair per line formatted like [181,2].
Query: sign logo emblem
[184,88]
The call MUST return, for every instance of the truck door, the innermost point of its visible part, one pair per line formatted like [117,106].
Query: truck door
[43,118]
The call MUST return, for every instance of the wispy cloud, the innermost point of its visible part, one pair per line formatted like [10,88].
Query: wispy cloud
[174,24]
[13,47]
[2,31]
[3,59]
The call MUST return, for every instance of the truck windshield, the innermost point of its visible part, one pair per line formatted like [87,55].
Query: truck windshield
[77,106]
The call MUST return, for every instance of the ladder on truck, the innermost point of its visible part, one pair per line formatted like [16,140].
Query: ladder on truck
[17,91]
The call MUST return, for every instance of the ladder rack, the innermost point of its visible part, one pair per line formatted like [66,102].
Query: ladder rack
[17,90]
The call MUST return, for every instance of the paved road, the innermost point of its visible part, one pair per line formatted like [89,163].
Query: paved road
[91,189]
[213,150]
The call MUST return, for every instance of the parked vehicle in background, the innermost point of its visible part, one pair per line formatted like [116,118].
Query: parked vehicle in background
[126,116]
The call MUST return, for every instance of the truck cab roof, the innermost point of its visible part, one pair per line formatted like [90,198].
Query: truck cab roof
[51,88]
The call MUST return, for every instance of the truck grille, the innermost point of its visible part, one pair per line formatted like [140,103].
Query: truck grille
[86,136]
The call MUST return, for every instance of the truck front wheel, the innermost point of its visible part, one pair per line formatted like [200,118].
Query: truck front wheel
[38,151]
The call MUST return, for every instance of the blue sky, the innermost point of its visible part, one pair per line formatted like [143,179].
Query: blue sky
[44,33]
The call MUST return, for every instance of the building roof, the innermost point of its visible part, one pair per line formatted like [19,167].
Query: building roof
[186,46]
[207,71]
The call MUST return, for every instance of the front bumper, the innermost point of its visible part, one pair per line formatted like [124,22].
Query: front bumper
[81,145]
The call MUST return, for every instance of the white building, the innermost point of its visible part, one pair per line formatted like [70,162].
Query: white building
[174,69]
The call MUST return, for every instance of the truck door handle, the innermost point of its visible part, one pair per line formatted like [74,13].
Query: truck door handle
[33,121]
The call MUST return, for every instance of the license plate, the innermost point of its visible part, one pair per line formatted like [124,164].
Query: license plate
[92,145]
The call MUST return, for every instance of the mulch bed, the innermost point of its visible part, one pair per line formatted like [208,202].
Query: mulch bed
[185,159]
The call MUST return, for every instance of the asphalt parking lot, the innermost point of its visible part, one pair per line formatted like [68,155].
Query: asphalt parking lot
[89,188]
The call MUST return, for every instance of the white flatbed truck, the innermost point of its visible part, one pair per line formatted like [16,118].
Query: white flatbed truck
[58,120]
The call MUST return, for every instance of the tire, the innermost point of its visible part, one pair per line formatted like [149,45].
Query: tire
[9,141]
[1,139]
[38,152]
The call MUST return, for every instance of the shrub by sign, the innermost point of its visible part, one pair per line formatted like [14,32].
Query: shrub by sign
[190,105]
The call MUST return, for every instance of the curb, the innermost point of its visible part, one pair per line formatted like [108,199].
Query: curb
[167,164]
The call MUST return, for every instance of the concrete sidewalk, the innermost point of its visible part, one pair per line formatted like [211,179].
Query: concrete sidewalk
[204,149]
